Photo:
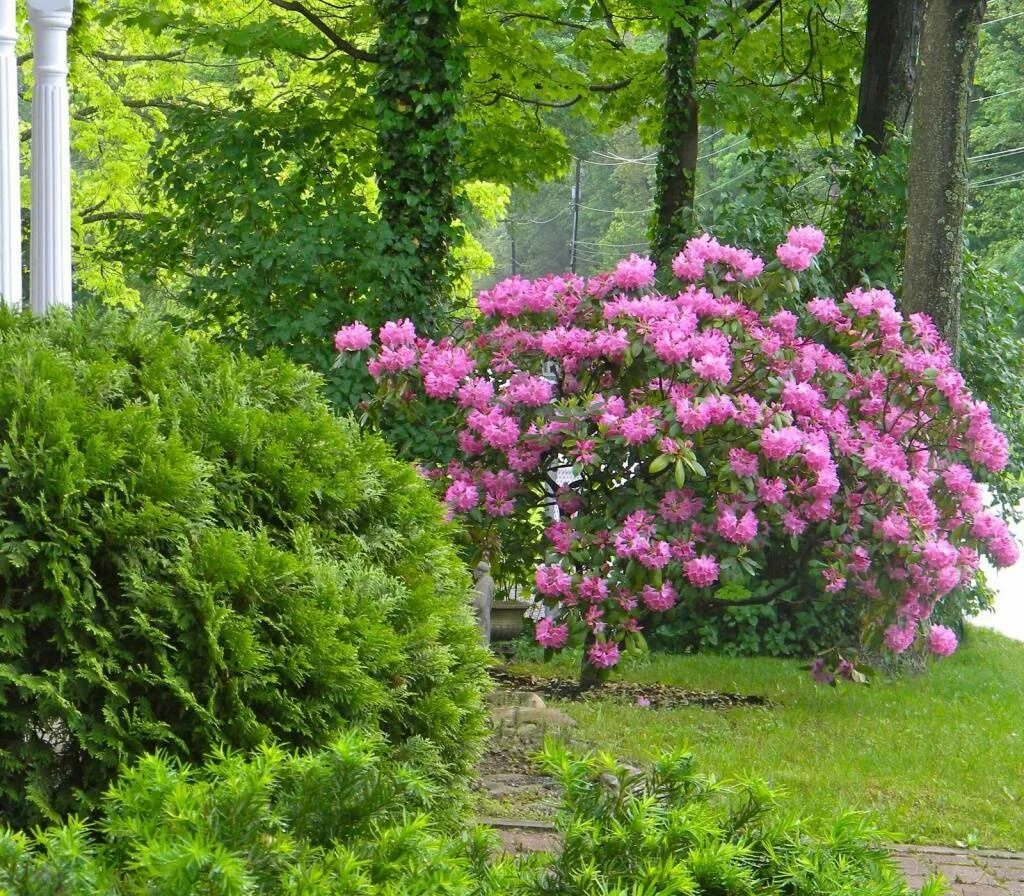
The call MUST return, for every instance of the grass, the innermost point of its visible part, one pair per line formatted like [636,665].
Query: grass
[935,758]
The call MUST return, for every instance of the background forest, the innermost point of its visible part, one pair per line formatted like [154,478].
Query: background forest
[283,166]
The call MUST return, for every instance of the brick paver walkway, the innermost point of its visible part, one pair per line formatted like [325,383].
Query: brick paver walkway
[969,872]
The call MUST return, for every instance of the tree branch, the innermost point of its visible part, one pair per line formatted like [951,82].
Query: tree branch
[562,23]
[327,31]
[143,57]
[611,87]
[749,6]
[112,216]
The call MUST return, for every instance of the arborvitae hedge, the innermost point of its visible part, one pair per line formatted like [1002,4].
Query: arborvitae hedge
[195,551]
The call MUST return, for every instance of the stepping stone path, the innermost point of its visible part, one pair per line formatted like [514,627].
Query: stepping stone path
[521,720]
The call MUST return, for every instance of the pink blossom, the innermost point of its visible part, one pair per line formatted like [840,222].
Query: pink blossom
[716,368]
[593,589]
[462,496]
[1004,551]
[552,580]
[532,391]
[899,637]
[701,571]
[801,398]
[796,258]
[778,444]
[640,425]
[740,530]
[561,535]
[771,491]
[603,654]
[397,333]
[834,581]
[809,238]
[353,338]
[784,322]
[743,463]
[941,640]
[634,273]
[550,635]
[678,506]
[392,360]
[658,600]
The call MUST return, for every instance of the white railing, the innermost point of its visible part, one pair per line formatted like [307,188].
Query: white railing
[50,183]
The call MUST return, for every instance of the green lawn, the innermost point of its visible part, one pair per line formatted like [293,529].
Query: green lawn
[937,758]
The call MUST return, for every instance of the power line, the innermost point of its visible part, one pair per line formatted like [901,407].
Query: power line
[643,160]
[1015,15]
[618,164]
[600,246]
[996,181]
[554,217]
[724,183]
[723,149]
[994,155]
[992,96]
[620,211]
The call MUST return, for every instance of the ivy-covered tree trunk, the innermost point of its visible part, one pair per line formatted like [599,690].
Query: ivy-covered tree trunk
[677,150]
[937,180]
[891,38]
[417,93]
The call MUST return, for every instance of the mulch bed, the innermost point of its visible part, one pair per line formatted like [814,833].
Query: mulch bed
[661,696]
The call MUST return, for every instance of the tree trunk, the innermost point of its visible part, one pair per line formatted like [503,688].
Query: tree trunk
[417,93]
[937,180]
[891,40]
[590,676]
[677,151]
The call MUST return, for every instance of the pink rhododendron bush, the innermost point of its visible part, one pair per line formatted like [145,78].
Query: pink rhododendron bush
[724,438]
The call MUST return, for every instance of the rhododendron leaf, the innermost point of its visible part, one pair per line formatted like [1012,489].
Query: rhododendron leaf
[695,466]
[660,463]
[748,565]
[680,473]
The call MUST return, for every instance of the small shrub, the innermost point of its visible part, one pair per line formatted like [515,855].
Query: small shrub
[353,820]
[346,820]
[670,830]
[194,551]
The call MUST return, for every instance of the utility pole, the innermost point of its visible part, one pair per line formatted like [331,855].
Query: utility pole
[575,217]
[511,227]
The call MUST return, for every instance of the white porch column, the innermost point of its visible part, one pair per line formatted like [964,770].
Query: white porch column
[10,158]
[50,236]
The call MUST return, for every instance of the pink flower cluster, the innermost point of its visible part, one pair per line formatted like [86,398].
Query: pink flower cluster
[713,439]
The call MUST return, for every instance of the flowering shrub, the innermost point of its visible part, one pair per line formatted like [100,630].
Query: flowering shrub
[724,439]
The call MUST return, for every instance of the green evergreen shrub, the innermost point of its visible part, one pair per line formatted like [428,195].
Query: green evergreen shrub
[195,551]
[352,820]
[345,820]
[671,830]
